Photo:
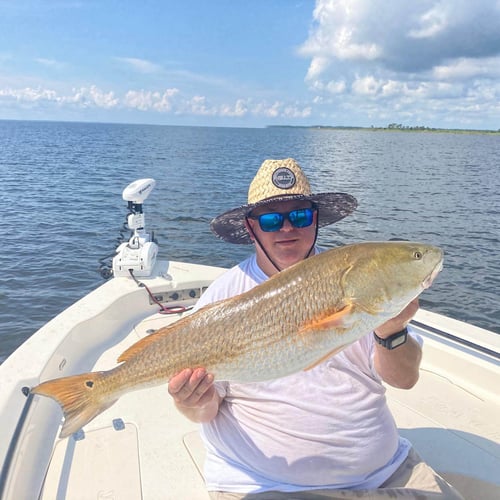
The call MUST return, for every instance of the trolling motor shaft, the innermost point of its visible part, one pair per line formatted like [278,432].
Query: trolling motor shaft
[139,253]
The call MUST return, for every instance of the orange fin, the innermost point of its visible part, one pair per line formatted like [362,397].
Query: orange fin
[325,357]
[143,343]
[339,319]
[139,346]
[78,398]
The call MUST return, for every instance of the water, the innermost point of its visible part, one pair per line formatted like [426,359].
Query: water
[61,186]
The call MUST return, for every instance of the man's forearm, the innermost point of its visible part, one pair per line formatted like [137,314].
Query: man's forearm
[399,367]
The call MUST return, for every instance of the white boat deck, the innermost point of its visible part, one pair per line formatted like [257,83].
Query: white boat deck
[142,448]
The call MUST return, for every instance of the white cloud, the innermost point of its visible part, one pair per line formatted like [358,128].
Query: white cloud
[318,65]
[140,65]
[170,101]
[367,85]
[400,36]
[147,100]
[295,111]
[331,87]
[83,97]
[239,109]
[198,105]
[466,68]
[336,87]
[92,97]
[337,33]
[485,93]
[50,63]
[27,94]
[280,109]
[404,59]
[394,88]
[269,111]
[432,22]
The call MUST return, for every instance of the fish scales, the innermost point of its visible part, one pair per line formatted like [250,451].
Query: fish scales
[250,336]
[286,324]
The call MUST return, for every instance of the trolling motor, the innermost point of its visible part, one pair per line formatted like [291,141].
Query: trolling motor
[138,255]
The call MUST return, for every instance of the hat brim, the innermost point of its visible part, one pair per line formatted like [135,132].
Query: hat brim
[332,207]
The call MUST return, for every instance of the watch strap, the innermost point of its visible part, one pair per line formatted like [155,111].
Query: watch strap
[394,340]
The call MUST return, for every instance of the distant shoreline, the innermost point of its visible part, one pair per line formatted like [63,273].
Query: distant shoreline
[392,128]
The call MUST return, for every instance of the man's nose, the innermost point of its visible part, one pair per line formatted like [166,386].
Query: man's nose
[287,225]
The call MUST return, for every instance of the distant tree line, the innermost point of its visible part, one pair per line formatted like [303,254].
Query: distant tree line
[400,126]
[391,126]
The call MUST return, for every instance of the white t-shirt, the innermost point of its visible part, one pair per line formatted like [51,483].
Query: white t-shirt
[328,427]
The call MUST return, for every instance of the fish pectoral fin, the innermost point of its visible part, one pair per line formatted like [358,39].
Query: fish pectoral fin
[338,319]
[372,309]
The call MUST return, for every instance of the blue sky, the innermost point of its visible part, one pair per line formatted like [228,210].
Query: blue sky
[252,63]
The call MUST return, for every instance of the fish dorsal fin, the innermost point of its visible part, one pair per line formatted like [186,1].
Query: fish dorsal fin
[339,319]
[143,343]
[138,347]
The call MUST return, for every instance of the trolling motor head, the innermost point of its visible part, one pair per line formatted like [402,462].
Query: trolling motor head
[139,253]
[136,192]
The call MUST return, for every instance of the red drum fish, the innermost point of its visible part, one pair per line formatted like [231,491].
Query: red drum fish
[289,323]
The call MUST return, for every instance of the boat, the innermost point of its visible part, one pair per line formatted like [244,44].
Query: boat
[143,448]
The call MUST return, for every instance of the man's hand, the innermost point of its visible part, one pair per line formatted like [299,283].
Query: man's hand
[194,394]
[399,322]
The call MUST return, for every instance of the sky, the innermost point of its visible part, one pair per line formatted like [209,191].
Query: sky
[242,63]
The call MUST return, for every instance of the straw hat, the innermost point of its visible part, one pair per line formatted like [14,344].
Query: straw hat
[280,180]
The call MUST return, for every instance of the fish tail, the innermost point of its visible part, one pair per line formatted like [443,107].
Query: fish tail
[79,399]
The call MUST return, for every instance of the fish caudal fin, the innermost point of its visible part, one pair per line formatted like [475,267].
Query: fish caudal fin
[78,397]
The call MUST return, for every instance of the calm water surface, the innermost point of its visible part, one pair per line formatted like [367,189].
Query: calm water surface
[61,186]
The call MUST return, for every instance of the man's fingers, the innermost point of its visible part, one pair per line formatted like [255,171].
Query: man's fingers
[192,387]
[204,392]
[178,381]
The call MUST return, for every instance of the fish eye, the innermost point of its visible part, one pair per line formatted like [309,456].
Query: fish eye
[418,255]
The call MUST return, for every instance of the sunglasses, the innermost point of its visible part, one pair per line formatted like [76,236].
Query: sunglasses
[273,221]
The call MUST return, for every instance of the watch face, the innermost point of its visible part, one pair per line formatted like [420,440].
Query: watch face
[398,341]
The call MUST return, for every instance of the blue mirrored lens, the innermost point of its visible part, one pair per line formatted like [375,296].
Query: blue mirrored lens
[271,222]
[301,218]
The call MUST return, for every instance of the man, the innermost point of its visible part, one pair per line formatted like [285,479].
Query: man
[323,433]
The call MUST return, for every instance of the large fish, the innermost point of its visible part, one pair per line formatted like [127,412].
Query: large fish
[289,323]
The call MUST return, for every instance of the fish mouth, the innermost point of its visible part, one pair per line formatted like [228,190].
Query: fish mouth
[432,276]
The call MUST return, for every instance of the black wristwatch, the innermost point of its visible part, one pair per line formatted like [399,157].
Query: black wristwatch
[394,340]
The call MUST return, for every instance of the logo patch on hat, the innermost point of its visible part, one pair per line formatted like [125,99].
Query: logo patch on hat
[284,178]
